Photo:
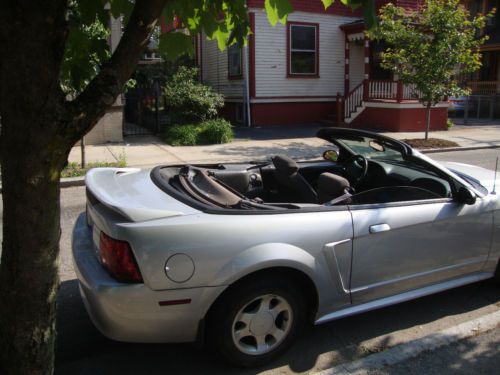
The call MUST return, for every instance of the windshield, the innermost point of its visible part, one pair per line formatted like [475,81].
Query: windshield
[370,147]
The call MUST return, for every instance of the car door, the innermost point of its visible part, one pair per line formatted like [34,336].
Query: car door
[406,245]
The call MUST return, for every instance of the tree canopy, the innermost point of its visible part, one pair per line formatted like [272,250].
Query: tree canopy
[426,49]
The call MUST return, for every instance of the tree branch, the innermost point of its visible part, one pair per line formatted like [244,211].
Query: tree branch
[84,112]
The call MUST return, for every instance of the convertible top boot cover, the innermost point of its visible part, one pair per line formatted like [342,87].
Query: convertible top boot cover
[287,174]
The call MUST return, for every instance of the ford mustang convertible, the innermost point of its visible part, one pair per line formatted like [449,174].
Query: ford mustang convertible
[242,255]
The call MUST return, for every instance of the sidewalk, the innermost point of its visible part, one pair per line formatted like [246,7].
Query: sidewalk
[256,144]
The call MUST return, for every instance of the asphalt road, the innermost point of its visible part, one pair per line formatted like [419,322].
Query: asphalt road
[81,349]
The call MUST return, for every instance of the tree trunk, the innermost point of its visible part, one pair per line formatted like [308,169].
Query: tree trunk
[29,266]
[39,127]
[428,124]
[32,153]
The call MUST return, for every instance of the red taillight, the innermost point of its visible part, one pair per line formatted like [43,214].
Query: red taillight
[118,259]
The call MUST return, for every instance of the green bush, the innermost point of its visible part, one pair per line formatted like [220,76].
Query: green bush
[215,131]
[449,123]
[189,101]
[208,132]
[181,135]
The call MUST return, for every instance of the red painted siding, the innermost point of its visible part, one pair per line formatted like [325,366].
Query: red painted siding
[316,6]
[409,4]
[313,6]
[283,114]
[229,112]
[400,120]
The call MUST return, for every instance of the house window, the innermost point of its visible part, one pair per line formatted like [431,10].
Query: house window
[235,69]
[303,49]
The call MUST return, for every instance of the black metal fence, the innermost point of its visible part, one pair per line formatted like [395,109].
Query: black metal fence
[144,111]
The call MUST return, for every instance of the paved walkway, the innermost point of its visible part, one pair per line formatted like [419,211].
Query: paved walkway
[256,144]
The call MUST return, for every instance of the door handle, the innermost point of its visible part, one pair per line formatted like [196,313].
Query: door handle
[379,228]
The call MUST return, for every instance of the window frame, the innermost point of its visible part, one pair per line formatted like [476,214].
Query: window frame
[234,76]
[289,73]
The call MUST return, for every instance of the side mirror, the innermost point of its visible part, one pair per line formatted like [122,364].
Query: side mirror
[465,196]
[331,155]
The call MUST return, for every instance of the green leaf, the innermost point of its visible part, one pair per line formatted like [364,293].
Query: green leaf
[175,44]
[327,3]
[277,10]
[90,10]
[369,13]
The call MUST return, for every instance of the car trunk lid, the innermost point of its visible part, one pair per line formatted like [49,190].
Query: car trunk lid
[131,193]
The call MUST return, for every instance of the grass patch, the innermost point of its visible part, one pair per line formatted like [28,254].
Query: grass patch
[75,170]
[423,144]
[215,131]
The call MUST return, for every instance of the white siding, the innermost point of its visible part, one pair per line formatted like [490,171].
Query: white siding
[214,70]
[271,57]
[356,64]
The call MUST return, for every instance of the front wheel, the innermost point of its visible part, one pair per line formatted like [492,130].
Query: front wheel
[255,322]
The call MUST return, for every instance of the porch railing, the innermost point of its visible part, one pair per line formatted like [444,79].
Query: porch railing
[353,101]
[388,90]
[382,89]
[484,87]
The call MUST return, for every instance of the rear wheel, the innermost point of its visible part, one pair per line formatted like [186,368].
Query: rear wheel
[256,321]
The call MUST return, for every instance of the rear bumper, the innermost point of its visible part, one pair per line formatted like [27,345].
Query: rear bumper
[131,312]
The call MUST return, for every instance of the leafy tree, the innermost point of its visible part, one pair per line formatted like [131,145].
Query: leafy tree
[190,100]
[40,65]
[426,47]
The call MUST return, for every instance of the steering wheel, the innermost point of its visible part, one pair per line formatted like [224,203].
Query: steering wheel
[355,169]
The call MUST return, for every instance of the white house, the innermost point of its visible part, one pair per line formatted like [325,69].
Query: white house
[317,67]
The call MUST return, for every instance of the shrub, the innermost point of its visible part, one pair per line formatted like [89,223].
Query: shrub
[182,135]
[215,131]
[449,123]
[189,101]
[208,132]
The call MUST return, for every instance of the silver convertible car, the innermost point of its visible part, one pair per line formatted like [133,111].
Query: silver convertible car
[242,255]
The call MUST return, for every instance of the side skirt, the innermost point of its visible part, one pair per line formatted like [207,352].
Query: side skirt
[406,296]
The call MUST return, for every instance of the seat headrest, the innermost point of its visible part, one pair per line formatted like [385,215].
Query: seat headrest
[285,165]
[331,186]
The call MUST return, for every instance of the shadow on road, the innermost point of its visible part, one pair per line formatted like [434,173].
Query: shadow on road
[81,349]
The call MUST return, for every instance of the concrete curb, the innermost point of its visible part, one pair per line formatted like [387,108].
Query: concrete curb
[403,352]
[451,149]
[72,181]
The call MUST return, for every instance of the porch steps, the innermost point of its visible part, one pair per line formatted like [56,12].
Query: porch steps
[355,113]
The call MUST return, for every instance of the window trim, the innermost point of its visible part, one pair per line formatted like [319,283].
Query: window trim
[235,76]
[289,72]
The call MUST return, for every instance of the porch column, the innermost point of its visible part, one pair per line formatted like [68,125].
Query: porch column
[367,58]
[346,67]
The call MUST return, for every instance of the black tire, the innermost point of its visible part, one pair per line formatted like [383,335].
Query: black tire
[222,315]
[496,277]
